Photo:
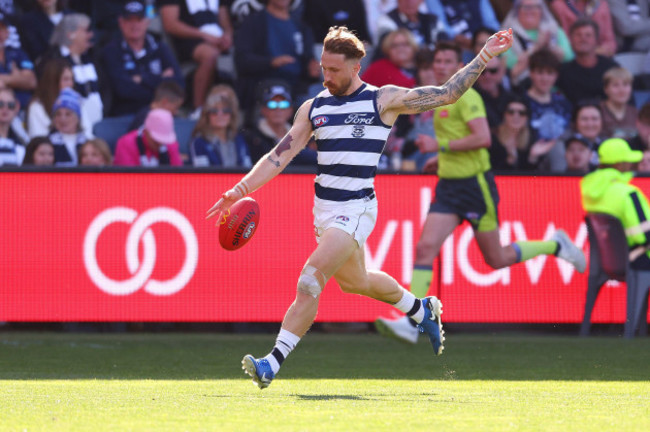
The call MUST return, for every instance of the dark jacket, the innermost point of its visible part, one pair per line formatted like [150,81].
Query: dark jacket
[121,65]
[253,60]
[35,29]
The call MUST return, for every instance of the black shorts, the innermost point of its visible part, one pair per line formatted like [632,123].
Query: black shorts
[185,48]
[474,199]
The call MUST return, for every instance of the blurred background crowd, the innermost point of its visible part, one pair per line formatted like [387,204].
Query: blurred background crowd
[216,82]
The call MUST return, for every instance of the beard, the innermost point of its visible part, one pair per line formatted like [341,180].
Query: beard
[338,90]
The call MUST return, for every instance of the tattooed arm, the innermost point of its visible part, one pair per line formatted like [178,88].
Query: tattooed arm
[271,164]
[393,101]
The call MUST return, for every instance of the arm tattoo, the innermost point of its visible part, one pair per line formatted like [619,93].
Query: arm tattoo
[274,162]
[386,90]
[427,98]
[283,145]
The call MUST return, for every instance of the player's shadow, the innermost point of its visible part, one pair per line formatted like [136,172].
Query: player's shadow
[306,397]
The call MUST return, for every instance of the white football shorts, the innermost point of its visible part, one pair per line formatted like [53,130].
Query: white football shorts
[356,218]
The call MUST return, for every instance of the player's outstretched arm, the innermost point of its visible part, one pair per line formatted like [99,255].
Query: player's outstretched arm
[271,164]
[412,101]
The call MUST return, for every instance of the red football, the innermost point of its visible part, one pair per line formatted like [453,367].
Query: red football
[239,224]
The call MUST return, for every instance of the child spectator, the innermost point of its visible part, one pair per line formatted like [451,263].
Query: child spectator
[619,117]
[578,154]
[550,112]
[216,141]
[168,96]
[66,134]
[39,152]
[95,152]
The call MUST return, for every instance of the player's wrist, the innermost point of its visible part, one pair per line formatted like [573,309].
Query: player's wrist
[485,55]
[241,189]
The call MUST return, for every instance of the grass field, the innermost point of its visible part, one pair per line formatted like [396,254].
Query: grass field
[193,382]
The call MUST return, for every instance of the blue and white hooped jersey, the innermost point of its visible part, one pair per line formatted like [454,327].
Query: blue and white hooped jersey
[350,137]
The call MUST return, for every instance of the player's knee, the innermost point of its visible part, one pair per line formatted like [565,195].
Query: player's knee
[311,281]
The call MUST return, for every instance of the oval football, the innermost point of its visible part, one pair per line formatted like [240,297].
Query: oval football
[240,225]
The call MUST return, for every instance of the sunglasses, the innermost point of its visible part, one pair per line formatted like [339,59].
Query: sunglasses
[517,111]
[220,111]
[283,104]
[10,105]
[493,71]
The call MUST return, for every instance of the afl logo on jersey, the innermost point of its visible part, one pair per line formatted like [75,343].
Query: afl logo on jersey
[321,121]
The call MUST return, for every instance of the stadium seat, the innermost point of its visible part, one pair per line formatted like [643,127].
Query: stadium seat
[641,97]
[110,129]
[632,61]
[608,260]
[184,128]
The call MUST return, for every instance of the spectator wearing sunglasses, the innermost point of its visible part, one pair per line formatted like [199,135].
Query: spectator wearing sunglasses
[273,123]
[216,140]
[12,150]
[511,138]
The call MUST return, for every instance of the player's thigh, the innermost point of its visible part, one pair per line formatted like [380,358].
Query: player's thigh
[352,274]
[335,247]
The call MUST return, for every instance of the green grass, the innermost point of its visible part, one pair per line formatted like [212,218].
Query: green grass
[178,382]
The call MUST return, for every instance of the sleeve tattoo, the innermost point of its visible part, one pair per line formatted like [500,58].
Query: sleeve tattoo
[423,99]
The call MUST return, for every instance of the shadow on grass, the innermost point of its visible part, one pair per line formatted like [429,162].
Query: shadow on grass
[174,356]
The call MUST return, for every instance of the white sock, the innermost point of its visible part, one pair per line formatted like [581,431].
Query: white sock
[284,344]
[407,303]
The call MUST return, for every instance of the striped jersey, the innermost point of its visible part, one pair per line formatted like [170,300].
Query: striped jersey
[350,137]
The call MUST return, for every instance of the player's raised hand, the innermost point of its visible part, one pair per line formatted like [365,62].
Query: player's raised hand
[496,44]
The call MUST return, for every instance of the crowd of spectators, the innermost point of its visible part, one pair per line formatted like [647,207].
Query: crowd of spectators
[216,82]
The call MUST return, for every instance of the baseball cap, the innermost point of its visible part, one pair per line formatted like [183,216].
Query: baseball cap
[133,9]
[577,137]
[160,125]
[69,99]
[617,150]
[275,91]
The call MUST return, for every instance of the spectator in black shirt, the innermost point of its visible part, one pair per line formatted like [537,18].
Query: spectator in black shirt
[36,27]
[321,15]
[582,78]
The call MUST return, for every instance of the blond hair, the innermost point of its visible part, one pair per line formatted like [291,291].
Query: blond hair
[390,37]
[619,73]
[220,94]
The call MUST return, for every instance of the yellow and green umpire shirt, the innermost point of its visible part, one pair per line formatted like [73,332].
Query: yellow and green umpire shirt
[450,123]
[608,190]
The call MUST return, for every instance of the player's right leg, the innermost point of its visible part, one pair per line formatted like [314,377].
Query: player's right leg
[334,248]
[437,227]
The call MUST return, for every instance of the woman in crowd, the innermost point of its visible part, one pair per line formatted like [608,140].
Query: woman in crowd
[512,139]
[72,40]
[95,152]
[66,134]
[40,152]
[216,141]
[56,75]
[398,64]
[534,27]
[619,117]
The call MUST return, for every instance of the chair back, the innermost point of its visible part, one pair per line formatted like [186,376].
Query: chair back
[607,239]
[110,129]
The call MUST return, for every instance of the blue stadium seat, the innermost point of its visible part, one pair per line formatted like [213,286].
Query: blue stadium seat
[110,129]
[641,97]
[184,128]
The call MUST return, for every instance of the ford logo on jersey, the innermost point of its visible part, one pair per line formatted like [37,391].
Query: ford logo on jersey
[321,120]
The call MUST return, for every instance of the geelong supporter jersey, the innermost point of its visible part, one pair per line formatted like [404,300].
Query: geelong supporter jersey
[350,137]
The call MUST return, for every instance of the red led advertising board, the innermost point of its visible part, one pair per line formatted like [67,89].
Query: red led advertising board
[137,247]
